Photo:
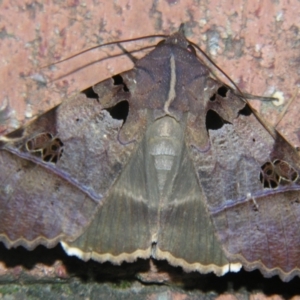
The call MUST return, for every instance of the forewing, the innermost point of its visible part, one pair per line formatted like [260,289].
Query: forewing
[249,175]
[187,236]
[56,171]
[120,230]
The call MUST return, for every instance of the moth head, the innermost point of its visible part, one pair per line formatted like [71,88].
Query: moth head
[178,39]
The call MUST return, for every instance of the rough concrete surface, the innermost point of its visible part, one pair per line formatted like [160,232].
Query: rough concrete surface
[255,42]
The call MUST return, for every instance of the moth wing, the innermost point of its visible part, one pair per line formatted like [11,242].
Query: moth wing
[120,230]
[187,236]
[250,177]
[56,171]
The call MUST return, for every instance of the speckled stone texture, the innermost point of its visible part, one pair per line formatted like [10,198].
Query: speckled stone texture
[255,42]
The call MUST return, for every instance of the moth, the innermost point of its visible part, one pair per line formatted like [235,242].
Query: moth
[162,161]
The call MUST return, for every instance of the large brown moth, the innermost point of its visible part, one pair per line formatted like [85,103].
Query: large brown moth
[190,174]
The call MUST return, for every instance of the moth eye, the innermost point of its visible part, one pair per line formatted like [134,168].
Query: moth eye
[119,111]
[214,121]
[191,49]
[118,80]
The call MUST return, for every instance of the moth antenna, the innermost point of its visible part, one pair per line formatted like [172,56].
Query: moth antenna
[217,67]
[240,93]
[107,44]
[282,114]
[132,58]
[96,61]
[256,97]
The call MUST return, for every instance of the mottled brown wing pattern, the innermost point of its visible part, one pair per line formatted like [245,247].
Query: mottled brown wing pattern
[56,171]
[190,174]
[250,176]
